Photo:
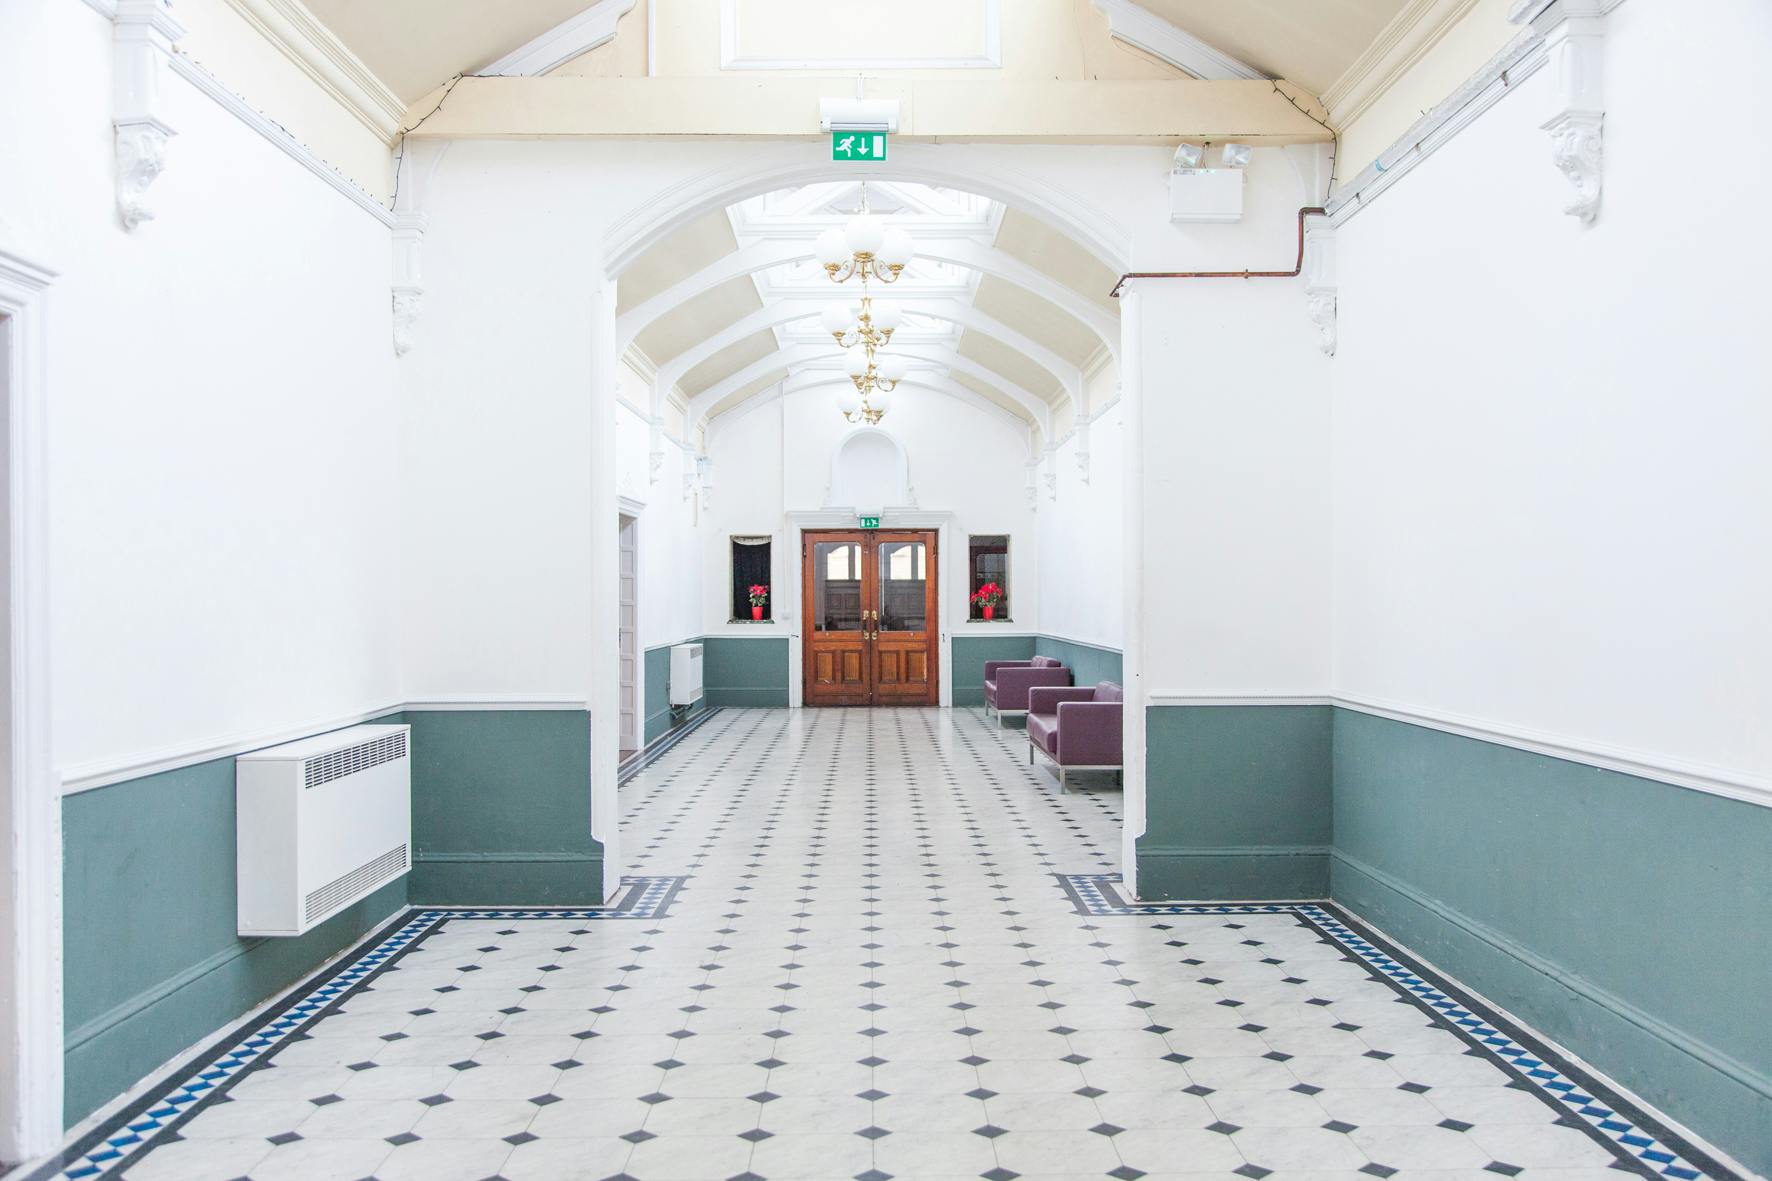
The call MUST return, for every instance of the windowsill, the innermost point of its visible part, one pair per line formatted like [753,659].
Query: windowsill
[992,622]
[758,622]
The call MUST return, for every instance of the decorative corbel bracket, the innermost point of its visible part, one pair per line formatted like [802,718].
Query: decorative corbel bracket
[1574,33]
[412,185]
[1319,281]
[1032,489]
[1082,447]
[142,35]
[1051,473]
[704,472]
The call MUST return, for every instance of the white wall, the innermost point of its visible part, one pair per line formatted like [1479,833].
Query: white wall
[1082,566]
[223,433]
[670,541]
[1235,446]
[1550,445]
[776,458]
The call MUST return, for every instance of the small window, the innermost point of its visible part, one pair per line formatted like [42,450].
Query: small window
[989,563]
[750,569]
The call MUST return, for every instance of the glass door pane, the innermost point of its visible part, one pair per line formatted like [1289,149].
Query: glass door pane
[904,578]
[836,586]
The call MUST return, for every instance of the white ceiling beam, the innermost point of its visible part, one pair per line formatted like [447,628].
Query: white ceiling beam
[579,34]
[1143,29]
[965,252]
[812,380]
[1069,376]
[1034,408]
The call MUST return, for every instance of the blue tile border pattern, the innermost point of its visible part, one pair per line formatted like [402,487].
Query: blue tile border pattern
[1640,1143]
[116,1142]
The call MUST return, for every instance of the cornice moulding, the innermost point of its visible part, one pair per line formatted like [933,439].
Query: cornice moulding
[237,106]
[577,35]
[312,47]
[1414,31]
[1143,29]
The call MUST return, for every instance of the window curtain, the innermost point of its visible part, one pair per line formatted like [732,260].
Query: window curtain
[750,566]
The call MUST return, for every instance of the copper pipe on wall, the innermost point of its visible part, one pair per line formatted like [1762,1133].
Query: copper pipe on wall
[1307,211]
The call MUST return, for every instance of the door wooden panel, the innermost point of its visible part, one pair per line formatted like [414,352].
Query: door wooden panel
[871,624]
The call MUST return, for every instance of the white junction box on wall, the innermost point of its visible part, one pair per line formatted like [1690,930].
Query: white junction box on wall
[1206,195]
[320,824]
[685,674]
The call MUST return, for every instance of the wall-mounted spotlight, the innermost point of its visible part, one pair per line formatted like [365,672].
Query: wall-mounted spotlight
[1235,155]
[1188,156]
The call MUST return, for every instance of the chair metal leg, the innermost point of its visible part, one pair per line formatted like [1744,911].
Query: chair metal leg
[1030,753]
[1063,787]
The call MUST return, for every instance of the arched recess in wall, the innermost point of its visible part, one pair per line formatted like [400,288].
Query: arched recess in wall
[870,470]
[661,214]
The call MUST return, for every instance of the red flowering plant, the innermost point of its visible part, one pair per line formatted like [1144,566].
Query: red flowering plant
[759,595]
[988,595]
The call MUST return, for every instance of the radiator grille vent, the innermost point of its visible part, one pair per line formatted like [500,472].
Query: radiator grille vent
[354,884]
[352,759]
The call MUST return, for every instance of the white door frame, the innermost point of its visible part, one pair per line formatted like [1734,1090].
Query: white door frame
[31,914]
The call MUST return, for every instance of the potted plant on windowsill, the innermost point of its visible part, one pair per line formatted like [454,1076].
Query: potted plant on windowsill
[759,595]
[987,597]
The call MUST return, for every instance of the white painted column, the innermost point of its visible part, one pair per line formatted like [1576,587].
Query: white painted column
[1132,643]
[605,591]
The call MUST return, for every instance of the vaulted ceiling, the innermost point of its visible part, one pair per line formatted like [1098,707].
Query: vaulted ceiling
[414,46]
[999,303]
[722,342]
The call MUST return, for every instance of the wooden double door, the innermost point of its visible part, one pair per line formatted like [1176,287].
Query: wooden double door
[872,632]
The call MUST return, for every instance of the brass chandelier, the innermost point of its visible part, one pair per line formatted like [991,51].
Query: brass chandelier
[866,249]
[861,336]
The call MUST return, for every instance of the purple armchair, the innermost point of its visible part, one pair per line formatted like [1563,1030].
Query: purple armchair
[1006,682]
[1078,729]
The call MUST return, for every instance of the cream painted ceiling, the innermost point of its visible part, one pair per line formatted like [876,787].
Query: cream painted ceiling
[988,365]
[1310,42]
[415,46]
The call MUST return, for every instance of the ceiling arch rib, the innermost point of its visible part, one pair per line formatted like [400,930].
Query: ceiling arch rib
[1068,376]
[809,358]
[1034,408]
[761,256]
[806,380]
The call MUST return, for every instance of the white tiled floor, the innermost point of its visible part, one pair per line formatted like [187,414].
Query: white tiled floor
[873,972]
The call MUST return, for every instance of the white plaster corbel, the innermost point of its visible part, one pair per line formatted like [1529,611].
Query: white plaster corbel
[1574,33]
[1083,449]
[1319,280]
[142,35]
[704,472]
[418,165]
[1033,485]
[1051,472]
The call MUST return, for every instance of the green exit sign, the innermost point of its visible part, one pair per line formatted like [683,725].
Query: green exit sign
[858,145]
[870,522]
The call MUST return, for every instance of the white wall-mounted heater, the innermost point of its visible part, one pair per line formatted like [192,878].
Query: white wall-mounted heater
[320,824]
[685,674]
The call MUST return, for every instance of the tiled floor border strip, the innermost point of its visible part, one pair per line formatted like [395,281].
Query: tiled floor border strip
[1639,1141]
[215,1069]
[1612,1119]
[654,750]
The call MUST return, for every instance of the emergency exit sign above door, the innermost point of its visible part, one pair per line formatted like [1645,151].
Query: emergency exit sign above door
[858,145]
[870,522]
